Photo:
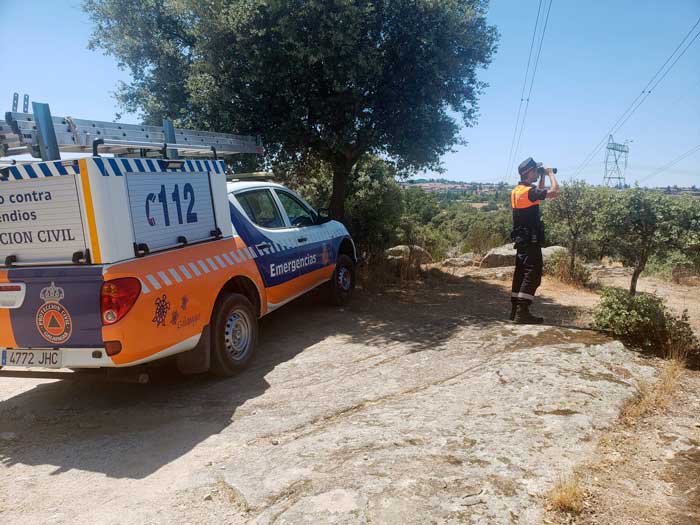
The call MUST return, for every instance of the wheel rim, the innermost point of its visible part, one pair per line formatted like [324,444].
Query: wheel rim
[344,278]
[237,334]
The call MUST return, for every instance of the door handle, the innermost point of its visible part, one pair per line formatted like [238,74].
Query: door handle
[263,246]
[302,239]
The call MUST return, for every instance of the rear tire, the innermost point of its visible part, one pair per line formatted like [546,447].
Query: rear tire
[234,336]
[343,282]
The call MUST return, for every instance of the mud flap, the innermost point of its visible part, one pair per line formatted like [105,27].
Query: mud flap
[197,360]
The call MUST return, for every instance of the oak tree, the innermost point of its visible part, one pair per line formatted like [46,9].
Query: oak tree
[330,79]
[637,224]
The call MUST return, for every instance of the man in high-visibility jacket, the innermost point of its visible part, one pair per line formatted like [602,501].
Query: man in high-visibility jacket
[528,236]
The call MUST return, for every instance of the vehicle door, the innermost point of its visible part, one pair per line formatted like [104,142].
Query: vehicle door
[258,219]
[314,242]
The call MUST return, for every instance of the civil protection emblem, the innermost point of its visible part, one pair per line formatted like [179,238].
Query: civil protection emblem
[325,255]
[52,319]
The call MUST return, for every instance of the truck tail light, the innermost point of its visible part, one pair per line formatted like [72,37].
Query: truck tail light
[117,298]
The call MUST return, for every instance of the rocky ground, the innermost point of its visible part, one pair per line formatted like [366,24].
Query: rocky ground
[419,404]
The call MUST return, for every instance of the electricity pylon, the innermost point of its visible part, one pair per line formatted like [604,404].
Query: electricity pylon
[616,156]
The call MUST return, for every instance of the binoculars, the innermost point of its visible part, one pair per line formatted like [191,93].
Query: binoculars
[541,171]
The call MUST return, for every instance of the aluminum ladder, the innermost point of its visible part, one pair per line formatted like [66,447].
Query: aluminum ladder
[44,136]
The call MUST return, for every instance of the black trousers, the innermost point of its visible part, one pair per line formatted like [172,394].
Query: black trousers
[528,274]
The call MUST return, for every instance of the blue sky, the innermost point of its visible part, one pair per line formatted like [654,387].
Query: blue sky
[595,59]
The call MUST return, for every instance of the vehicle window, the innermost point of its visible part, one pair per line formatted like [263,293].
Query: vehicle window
[261,208]
[299,215]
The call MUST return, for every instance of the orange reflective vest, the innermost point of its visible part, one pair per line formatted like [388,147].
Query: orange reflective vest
[519,199]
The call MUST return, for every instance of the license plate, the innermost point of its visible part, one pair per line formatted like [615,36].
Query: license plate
[31,358]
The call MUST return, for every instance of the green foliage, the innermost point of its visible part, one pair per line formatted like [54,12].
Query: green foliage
[331,80]
[310,177]
[641,228]
[569,219]
[559,266]
[643,321]
[485,234]
[375,206]
[634,225]
[420,206]
[689,230]
[673,265]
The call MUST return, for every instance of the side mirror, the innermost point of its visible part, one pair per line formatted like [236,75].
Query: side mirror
[322,216]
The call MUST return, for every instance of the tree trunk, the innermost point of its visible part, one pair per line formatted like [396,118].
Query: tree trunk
[572,260]
[635,276]
[341,174]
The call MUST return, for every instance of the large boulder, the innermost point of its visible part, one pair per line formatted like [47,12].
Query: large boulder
[467,259]
[549,251]
[408,255]
[497,257]
[401,250]
[505,255]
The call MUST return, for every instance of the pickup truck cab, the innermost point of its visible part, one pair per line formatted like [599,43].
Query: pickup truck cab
[119,262]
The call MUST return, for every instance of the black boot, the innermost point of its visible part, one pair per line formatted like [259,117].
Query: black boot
[523,315]
[513,308]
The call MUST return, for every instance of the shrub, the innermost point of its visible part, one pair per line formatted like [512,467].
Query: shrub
[643,321]
[559,267]
[676,266]
[489,230]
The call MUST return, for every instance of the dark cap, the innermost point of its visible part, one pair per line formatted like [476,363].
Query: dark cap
[527,165]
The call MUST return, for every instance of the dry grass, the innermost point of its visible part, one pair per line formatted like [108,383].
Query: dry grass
[567,495]
[678,351]
[657,396]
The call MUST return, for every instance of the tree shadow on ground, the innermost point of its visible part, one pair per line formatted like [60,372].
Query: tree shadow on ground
[131,431]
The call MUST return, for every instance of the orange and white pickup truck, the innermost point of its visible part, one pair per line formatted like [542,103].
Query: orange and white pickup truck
[118,262]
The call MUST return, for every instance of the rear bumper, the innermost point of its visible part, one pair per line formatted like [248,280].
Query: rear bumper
[86,358]
[98,358]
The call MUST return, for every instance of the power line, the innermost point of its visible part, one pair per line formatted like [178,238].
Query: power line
[639,100]
[532,79]
[652,88]
[675,161]
[677,58]
[522,91]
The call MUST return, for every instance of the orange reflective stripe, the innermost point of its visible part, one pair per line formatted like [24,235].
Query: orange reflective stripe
[519,198]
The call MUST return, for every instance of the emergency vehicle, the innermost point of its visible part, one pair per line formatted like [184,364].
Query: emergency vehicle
[122,260]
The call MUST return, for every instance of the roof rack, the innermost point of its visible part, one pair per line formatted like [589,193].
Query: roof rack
[44,136]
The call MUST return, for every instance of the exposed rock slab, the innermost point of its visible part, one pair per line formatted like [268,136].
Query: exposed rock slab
[384,420]
[446,434]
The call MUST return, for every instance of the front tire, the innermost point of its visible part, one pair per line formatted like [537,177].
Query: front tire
[343,282]
[234,335]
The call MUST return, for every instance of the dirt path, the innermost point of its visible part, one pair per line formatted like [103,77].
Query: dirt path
[412,405]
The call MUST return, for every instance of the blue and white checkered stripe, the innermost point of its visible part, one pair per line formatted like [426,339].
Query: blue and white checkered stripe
[110,167]
[40,170]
